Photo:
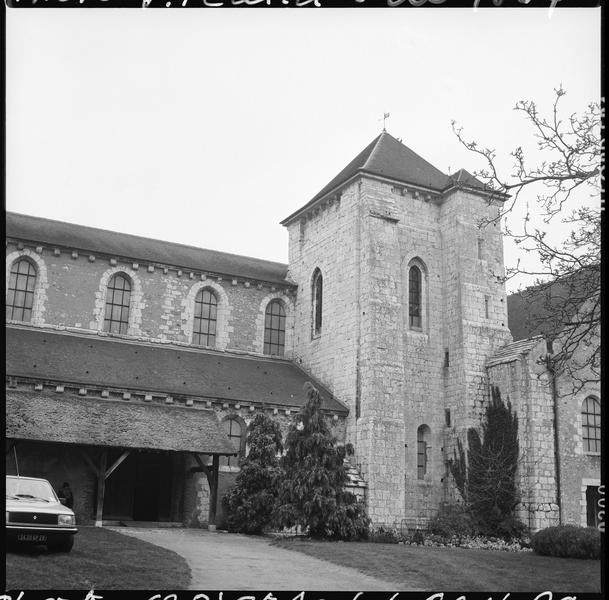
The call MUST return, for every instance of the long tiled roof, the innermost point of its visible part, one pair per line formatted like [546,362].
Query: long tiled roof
[91,239]
[70,419]
[98,361]
[387,157]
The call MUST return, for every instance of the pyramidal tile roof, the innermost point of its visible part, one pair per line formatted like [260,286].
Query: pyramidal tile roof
[387,157]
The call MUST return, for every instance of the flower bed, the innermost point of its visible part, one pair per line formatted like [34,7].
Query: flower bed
[424,538]
[475,542]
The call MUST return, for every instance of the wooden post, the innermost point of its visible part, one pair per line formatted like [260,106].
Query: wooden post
[213,493]
[101,488]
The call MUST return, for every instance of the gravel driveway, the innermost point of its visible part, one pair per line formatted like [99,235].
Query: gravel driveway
[226,561]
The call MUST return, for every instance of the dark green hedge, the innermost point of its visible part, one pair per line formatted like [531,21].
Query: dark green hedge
[568,541]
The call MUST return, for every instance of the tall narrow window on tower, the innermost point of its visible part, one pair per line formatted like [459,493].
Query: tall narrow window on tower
[20,294]
[317,297]
[118,301]
[423,435]
[481,255]
[414,297]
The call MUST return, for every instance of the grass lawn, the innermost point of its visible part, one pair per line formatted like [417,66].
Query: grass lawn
[457,569]
[100,559]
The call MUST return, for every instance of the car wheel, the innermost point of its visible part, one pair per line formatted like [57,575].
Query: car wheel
[64,545]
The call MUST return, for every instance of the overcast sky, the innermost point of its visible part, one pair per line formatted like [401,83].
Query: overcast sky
[208,127]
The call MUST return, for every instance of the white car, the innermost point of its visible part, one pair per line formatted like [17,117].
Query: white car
[34,514]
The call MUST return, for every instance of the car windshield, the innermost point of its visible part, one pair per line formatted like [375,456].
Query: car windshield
[30,488]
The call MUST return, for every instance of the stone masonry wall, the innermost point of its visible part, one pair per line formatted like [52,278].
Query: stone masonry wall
[327,240]
[380,427]
[71,292]
[526,384]
[474,308]
[579,468]
[424,355]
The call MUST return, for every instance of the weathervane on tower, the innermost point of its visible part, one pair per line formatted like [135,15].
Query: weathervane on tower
[385,117]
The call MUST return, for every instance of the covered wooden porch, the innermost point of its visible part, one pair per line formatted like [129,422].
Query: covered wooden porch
[107,434]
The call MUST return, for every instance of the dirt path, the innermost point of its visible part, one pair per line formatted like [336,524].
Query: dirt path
[224,561]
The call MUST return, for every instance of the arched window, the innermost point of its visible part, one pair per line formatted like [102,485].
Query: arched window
[206,315]
[423,435]
[274,328]
[415,295]
[118,300]
[317,298]
[21,286]
[234,430]
[591,424]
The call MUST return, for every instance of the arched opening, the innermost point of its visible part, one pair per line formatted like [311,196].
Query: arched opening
[415,298]
[205,319]
[20,292]
[317,301]
[118,302]
[274,328]
[591,424]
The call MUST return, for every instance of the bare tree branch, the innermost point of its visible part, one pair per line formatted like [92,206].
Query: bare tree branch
[563,186]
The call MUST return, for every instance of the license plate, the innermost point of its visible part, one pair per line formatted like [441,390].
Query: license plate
[31,537]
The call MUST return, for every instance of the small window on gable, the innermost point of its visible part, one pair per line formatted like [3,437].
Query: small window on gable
[118,300]
[591,424]
[317,301]
[415,297]
[274,328]
[20,294]
[205,319]
[234,431]
[423,436]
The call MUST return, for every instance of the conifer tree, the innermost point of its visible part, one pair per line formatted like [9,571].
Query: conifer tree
[486,475]
[312,494]
[250,504]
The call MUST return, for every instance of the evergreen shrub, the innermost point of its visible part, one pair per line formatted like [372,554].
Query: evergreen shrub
[312,493]
[568,541]
[250,505]
[485,475]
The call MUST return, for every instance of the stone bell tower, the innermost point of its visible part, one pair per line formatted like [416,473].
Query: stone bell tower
[411,306]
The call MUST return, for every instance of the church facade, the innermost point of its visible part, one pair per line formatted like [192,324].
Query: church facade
[132,361]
